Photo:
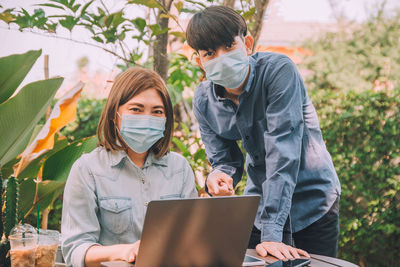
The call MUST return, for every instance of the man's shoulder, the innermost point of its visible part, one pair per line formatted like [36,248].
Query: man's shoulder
[270,58]
[269,65]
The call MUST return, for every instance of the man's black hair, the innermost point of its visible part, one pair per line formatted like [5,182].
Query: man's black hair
[213,27]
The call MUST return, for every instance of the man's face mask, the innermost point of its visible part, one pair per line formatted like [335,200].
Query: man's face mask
[141,132]
[228,70]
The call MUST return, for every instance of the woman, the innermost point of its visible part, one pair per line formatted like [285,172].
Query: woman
[108,190]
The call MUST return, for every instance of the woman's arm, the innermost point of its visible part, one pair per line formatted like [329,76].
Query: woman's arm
[80,228]
[122,252]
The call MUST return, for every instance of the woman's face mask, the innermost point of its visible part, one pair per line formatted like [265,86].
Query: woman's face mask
[141,132]
[142,120]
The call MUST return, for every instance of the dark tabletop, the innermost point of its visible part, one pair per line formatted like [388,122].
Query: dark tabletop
[316,261]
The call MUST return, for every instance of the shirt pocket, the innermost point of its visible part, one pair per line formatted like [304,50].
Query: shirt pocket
[116,214]
[170,196]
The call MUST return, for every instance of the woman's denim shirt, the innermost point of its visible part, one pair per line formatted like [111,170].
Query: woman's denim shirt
[106,196]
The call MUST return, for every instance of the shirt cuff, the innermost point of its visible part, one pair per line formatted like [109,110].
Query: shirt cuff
[271,232]
[78,256]
[229,170]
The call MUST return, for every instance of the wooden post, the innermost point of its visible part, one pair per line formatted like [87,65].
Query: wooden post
[46,211]
[46,76]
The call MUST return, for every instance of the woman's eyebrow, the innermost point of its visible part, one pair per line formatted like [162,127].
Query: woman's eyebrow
[136,104]
[159,107]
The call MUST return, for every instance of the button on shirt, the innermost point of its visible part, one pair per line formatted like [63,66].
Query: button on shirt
[106,197]
[287,162]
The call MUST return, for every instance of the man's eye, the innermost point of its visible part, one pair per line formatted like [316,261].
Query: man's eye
[209,53]
[229,46]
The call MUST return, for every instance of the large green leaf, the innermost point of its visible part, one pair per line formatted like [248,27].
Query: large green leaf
[20,114]
[27,189]
[7,169]
[57,166]
[13,70]
[55,172]
[33,168]
[48,191]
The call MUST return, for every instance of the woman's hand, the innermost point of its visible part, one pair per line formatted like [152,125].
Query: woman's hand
[129,251]
[119,252]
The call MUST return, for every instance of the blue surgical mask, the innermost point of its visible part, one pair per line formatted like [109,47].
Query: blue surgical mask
[228,70]
[141,132]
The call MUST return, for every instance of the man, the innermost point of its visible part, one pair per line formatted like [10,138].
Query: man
[262,101]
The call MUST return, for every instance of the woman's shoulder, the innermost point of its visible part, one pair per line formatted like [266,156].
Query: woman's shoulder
[98,158]
[97,154]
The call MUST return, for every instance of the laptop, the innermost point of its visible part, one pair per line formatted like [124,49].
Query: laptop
[201,232]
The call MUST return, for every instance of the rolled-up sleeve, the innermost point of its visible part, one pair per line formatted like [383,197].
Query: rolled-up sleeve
[283,141]
[80,227]
[224,155]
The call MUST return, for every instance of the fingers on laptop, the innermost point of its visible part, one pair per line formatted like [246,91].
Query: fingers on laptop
[261,250]
[134,251]
[303,253]
[279,250]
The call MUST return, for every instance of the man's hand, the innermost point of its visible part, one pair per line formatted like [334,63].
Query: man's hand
[220,184]
[279,250]
[130,251]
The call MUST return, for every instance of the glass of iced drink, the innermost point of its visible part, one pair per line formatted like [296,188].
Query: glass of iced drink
[47,247]
[22,252]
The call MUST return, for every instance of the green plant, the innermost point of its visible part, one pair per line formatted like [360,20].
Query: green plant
[362,133]
[42,179]
[354,84]
[16,130]
[357,57]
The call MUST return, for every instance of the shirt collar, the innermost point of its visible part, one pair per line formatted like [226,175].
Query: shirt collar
[152,159]
[248,86]
[117,157]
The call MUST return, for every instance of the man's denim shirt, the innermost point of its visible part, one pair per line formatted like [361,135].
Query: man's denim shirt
[287,161]
[106,197]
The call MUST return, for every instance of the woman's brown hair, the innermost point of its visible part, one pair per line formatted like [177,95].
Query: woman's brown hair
[127,85]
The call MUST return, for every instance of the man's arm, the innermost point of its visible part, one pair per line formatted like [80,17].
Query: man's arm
[224,155]
[283,142]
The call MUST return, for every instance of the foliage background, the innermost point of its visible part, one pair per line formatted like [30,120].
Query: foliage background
[355,86]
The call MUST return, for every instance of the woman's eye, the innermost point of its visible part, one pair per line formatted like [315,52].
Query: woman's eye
[135,109]
[158,112]
[229,46]
[209,53]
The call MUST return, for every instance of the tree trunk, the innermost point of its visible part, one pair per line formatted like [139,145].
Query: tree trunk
[261,7]
[229,3]
[161,61]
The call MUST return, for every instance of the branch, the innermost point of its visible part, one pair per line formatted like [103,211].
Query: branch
[80,42]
